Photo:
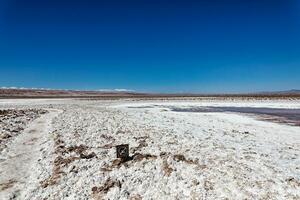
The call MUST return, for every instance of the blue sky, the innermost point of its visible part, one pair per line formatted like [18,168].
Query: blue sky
[156,46]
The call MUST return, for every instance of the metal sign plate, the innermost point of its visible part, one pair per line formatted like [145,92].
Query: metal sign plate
[123,151]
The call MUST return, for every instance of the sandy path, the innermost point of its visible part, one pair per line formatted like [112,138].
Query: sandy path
[18,162]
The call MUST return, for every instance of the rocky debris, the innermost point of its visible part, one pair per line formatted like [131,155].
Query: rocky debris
[14,121]
[77,149]
[166,168]
[139,157]
[108,137]
[7,185]
[142,143]
[181,158]
[99,192]
[117,163]
[107,146]
[88,156]
[135,197]
[59,164]
[64,157]
[293,181]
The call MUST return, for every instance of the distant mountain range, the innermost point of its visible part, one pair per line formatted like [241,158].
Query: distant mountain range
[294,91]
[53,93]
[123,93]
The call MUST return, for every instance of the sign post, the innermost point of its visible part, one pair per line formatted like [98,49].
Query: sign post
[123,151]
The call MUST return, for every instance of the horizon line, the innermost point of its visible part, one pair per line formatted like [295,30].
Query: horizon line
[122,90]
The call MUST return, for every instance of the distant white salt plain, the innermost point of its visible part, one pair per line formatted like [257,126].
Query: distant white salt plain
[220,103]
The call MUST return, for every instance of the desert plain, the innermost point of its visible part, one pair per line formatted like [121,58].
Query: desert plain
[180,148]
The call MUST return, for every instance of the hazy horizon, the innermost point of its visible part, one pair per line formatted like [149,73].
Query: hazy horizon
[123,90]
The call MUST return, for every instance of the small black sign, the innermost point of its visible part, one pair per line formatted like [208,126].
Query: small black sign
[123,151]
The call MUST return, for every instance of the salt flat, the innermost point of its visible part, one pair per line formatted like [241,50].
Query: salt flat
[175,155]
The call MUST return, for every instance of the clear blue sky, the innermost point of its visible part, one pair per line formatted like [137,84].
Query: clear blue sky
[158,46]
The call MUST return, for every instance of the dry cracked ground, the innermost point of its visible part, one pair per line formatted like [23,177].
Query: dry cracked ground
[69,153]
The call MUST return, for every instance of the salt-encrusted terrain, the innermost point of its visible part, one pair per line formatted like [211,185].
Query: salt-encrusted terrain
[174,155]
[13,122]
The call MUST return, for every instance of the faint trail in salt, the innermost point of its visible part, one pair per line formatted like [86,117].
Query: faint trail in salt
[18,163]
